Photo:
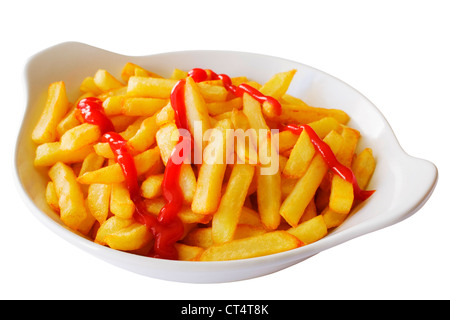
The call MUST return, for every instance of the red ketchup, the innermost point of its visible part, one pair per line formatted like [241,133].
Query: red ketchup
[329,157]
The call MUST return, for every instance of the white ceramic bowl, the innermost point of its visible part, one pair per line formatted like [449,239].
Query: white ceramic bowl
[403,183]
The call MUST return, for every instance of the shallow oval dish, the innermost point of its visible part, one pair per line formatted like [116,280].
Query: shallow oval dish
[403,183]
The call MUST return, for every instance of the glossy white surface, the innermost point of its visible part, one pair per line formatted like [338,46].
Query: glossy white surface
[403,183]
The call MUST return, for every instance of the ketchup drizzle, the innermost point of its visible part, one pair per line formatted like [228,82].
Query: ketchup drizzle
[329,157]
[167,228]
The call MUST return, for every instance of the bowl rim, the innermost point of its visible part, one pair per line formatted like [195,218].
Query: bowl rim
[290,256]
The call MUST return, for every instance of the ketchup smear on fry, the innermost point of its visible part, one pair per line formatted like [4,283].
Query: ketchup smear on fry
[329,157]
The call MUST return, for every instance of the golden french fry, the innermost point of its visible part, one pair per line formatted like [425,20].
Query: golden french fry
[144,162]
[113,105]
[88,86]
[98,199]
[80,136]
[332,218]
[269,198]
[212,93]
[303,113]
[132,237]
[300,157]
[145,136]
[149,87]
[51,197]
[132,69]
[151,187]
[137,106]
[226,217]
[311,230]
[188,253]
[121,204]
[165,115]
[276,87]
[209,183]
[55,108]
[92,162]
[218,107]
[70,195]
[47,154]
[261,245]
[295,203]
[341,195]
[110,226]
[363,167]
[106,81]
[196,112]
[178,74]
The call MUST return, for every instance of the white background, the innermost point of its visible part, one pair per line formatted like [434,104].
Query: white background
[396,53]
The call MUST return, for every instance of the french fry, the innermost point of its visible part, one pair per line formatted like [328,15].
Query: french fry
[136,106]
[212,93]
[152,186]
[144,162]
[311,230]
[276,87]
[363,167]
[51,197]
[113,105]
[106,81]
[55,108]
[145,136]
[149,87]
[188,253]
[132,237]
[300,157]
[303,113]
[196,111]
[121,204]
[332,218]
[131,69]
[88,85]
[341,195]
[218,107]
[295,203]
[92,162]
[47,154]
[251,247]
[70,195]
[209,183]
[165,115]
[80,136]
[226,217]
[111,225]
[98,199]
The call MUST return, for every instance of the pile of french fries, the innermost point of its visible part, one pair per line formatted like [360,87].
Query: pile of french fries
[230,211]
